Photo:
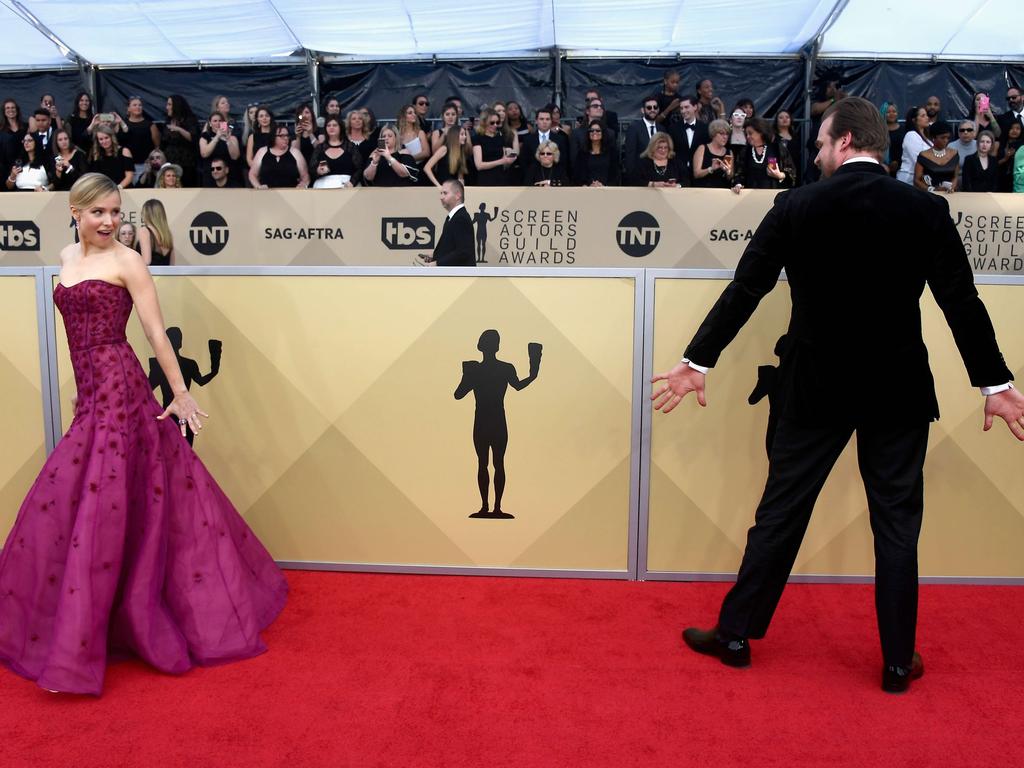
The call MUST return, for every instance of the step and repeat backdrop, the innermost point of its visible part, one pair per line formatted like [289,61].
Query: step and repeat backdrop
[514,226]
[348,413]
[23,442]
[352,415]
[708,465]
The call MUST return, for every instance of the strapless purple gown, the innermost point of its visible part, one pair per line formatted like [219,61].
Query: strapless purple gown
[125,544]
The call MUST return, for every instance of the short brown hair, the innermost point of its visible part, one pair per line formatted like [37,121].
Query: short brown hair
[862,120]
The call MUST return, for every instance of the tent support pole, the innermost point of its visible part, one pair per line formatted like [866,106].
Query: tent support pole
[557,54]
[313,63]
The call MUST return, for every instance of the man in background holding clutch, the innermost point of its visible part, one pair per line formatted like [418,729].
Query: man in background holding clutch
[455,245]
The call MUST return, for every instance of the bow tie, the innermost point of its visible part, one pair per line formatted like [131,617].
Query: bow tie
[691,125]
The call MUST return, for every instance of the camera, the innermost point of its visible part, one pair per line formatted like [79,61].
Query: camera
[106,117]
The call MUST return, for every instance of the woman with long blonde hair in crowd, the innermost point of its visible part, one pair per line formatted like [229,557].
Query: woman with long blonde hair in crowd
[154,238]
[451,160]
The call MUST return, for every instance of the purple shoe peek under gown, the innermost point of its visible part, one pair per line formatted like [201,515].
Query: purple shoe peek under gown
[125,544]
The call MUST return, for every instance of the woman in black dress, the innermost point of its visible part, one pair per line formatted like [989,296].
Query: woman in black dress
[787,136]
[597,164]
[306,139]
[80,121]
[280,165]
[107,157]
[452,159]
[180,138]
[139,135]
[547,171]
[69,161]
[981,171]
[30,171]
[894,155]
[262,134]
[335,163]
[713,162]
[762,164]
[449,119]
[490,155]
[938,167]
[387,166]
[218,142]
[658,166]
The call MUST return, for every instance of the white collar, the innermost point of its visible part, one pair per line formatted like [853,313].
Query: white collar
[453,211]
[861,159]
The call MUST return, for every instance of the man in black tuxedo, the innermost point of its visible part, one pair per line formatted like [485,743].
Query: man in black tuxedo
[529,143]
[849,366]
[689,132]
[639,135]
[1014,112]
[455,245]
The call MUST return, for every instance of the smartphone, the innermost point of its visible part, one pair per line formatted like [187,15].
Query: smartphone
[673,182]
[106,117]
[983,102]
[320,121]
[381,143]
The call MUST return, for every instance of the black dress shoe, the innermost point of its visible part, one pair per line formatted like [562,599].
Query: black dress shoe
[896,679]
[734,653]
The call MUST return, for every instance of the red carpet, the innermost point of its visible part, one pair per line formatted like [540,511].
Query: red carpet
[381,670]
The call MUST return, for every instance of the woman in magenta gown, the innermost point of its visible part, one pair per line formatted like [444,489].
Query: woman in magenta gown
[125,545]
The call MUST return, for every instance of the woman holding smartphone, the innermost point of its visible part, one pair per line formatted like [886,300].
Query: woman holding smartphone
[763,163]
[490,155]
[388,167]
[69,161]
[218,142]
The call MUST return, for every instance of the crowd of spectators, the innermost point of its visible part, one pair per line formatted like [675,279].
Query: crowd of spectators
[676,139]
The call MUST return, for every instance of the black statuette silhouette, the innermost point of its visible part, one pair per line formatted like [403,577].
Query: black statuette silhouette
[488,380]
[189,371]
[768,386]
[480,219]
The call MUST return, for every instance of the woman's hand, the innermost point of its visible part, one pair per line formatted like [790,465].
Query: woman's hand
[738,188]
[187,412]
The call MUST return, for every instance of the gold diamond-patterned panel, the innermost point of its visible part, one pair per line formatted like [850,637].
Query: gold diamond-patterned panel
[567,430]
[715,456]
[353,377]
[22,448]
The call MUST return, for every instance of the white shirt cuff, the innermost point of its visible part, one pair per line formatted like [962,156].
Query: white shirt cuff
[702,368]
[986,391]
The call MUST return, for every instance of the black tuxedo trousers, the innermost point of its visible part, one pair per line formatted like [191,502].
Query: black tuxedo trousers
[891,461]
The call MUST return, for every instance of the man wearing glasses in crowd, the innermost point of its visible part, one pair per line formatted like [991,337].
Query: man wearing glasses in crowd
[1015,113]
[219,176]
[533,140]
[639,135]
[579,137]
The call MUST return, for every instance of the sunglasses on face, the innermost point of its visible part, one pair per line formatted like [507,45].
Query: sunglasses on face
[217,168]
[594,130]
[422,103]
[966,130]
[494,122]
[650,107]
[547,153]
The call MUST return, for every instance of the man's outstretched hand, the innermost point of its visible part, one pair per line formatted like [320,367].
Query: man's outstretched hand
[1009,406]
[679,382]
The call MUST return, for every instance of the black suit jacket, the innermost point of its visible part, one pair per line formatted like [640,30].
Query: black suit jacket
[685,149]
[858,249]
[455,247]
[529,143]
[637,139]
[1005,120]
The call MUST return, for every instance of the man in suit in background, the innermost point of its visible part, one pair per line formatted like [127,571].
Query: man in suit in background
[689,132]
[531,141]
[579,138]
[455,245]
[1014,112]
[611,118]
[848,367]
[639,135]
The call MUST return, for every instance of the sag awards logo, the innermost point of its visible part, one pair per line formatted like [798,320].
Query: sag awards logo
[638,234]
[527,235]
[400,234]
[994,243]
[19,236]
[209,233]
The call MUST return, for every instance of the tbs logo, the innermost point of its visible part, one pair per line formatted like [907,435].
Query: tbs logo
[19,236]
[405,234]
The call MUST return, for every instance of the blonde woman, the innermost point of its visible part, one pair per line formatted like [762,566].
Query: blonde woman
[490,155]
[168,177]
[411,137]
[148,555]
[127,234]
[156,244]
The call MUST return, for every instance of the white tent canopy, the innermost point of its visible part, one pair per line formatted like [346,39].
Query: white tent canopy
[56,33]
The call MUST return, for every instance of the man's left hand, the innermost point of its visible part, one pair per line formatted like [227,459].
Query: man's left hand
[1009,406]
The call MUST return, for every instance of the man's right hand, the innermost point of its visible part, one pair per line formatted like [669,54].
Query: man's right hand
[679,382]
[1009,406]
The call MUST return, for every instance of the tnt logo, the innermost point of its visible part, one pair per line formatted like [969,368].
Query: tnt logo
[403,234]
[638,234]
[208,233]
[19,236]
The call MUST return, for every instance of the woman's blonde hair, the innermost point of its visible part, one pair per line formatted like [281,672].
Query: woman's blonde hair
[556,153]
[456,155]
[155,217]
[90,188]
[659,138]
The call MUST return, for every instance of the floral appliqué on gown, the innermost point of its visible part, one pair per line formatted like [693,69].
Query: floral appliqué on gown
[125,545]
